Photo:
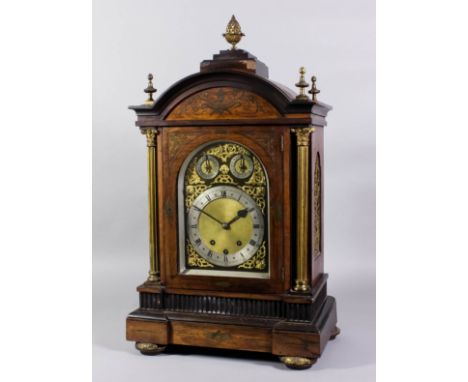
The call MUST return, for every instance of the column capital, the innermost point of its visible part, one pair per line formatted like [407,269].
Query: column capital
[151,135]
[302,135]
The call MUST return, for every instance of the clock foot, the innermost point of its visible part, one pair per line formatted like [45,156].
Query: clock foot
[336,331]
[148,348]
[298,363]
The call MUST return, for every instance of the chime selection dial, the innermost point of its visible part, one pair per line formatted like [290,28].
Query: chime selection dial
[207,167]
[241,166]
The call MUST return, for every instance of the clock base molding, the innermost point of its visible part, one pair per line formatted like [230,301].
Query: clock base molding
[298,343]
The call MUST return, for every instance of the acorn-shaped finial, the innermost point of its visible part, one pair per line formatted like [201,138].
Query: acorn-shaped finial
[302,85]
[233,32]
[314,91]
[150,90]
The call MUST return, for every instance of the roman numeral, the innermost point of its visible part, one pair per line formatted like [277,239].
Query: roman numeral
[210,254]
[198,241]
[256,226]
[223,194]
[195,226]
[225,259]
[253,243]
[208,198]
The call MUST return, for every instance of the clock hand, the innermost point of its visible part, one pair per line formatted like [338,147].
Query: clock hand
[207,164]
[242,166]
[211,216]
[240,214]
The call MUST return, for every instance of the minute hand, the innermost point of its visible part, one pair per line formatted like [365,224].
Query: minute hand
[211,216]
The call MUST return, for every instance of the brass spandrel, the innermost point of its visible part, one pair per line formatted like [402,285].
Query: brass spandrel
[194,259]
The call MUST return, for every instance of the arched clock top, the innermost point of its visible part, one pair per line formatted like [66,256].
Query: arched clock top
[248,92]
[223,103]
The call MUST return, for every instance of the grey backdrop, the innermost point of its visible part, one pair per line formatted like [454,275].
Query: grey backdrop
[334,39]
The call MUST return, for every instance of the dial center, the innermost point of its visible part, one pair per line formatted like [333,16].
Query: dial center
[236,225]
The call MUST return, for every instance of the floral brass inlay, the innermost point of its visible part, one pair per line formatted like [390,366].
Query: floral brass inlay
[194,260]
[223,103]
[258,262]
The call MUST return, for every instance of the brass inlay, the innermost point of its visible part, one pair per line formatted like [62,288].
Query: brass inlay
[302,208]
[223,103]
[317,208]
[218,335]
[151,136]
[302,84]
[233,32]
[255,186]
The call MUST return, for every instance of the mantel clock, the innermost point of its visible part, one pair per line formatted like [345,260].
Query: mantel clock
[235,181]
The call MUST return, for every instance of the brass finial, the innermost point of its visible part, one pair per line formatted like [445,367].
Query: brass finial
[150,90]
[302,84]
[233,32]
[314,91]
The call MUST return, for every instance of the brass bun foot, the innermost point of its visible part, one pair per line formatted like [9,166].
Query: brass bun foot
[298,363]
[336,331]
[147,348]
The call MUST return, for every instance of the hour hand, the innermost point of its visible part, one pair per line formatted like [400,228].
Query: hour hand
[209,215]
[240,214]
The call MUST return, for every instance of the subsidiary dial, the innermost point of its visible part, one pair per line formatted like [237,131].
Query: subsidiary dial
[241,166]
[207,167]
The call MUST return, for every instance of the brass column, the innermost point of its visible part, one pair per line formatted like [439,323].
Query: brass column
[302,208]
[151,138]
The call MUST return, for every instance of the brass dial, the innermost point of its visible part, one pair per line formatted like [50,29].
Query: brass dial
[225,226]
[207,167]
[241,166]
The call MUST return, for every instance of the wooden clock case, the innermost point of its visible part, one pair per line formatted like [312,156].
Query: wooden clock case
[232,99]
